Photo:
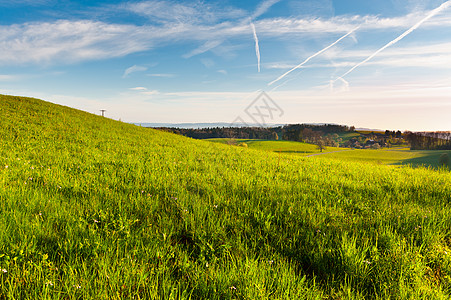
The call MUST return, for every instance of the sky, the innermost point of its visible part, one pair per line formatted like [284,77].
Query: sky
[377,64]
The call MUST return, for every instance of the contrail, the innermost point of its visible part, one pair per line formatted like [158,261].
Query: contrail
[430,15]
[257,47]
[314,55]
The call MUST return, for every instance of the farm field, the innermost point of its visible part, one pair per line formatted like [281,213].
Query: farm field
[288,147]
[392,156]
[402,156]
[93,208]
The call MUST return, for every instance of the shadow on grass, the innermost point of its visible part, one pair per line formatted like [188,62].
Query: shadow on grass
[430,158]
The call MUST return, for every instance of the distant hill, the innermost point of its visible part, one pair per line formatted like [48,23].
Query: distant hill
[212,125]
[199,125]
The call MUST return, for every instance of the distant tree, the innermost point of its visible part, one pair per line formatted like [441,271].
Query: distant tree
[275,136]
[320,145]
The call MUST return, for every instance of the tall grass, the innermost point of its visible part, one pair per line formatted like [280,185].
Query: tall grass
[92,208]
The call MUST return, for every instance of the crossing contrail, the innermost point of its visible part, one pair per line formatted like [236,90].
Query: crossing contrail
[257,47]
[314,55]
[430,15]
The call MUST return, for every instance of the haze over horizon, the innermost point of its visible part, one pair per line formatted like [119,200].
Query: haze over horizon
[375,64]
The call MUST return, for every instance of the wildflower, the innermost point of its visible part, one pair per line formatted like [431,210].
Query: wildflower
[77,286]
[6,167]
[96,221]
[215,206]
[270,262]
[232,288]
[49,283]
[4,271]
[367,262]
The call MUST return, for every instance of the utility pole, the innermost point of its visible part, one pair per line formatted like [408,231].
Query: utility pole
[103,112]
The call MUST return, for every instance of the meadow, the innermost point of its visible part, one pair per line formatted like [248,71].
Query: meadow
[388,156]
[286,147]
[93,208]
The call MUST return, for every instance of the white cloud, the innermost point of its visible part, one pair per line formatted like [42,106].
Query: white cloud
[70,41]
[150,93]
[194,12]
[67,41]
[9,3]
[138,88]
[204,48]
[133,69]
[162,75]
[263,8]
[4,77]
[207,62]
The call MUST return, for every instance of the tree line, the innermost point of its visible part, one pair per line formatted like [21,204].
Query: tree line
[438,140]
[294,132]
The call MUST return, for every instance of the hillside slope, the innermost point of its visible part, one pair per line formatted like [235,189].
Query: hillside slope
[93,208]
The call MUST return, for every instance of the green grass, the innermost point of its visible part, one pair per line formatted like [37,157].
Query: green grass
[392,156]
[92,208]
[417,158]
[289,147]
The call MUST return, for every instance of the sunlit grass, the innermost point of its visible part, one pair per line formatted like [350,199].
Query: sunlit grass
[97,209]
[290,147]
[387,156]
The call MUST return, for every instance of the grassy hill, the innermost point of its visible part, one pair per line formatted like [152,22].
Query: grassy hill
[93,208]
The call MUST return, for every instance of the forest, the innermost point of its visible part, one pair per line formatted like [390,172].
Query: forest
[438,140]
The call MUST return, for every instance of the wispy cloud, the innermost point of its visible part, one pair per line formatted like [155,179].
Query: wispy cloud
[192,12]
[133,69]
[263,8]
[434,12]
[145,91]
[68,41]
[162,75]
[71,41]
[4,77]
[24,2]
[204,48]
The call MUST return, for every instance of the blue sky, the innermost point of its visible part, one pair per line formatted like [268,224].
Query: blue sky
[206,61]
